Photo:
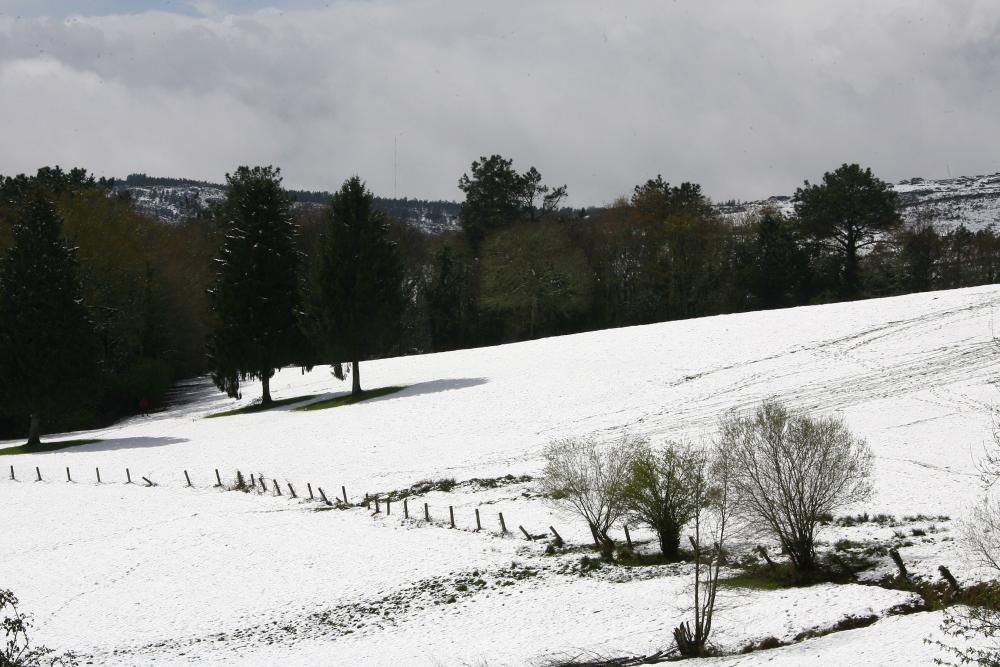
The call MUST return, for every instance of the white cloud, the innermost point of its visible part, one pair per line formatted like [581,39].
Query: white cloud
[747,98]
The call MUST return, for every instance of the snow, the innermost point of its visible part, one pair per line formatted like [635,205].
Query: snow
[172,575]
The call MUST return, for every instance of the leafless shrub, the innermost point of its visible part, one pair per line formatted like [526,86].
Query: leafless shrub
[788,470]
[583,474]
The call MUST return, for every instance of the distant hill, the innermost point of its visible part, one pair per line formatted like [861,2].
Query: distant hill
[973,201]
[946,203]
[173,199]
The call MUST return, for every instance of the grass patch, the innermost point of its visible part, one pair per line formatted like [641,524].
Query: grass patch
[754,582]
[350,399]
[46,447]
[259,407]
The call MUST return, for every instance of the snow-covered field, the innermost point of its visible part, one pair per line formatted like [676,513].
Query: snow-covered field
[128,575]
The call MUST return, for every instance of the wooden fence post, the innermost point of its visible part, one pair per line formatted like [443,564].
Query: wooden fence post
[128,476]
[291,490]
[427,513]
[526,534]
[98,470]
[503,525]
[451,513]
[559,539]
[12,473]
[343,491]
[628,537]
[146,480]
[218,478]
[263,486]
[406,509]
[277,488]
[310,487]
[188,478]
[68,478]
[388,507]
[378,510]
[241,483]
[479,526]
[39,473]
[320,489]
[253,481]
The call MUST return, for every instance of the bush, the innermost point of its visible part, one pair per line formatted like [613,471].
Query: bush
[584,474]
[16,650]
[790,471]
[659,490]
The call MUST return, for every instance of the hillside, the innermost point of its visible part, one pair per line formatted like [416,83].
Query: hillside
[973,201]
[173,575]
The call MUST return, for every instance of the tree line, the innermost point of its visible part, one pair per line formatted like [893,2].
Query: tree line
[254,284]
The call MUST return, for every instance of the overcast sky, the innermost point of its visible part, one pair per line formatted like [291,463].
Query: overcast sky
[746,97]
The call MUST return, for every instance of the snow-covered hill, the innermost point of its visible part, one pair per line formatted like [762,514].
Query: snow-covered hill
[178,200]
[165,575]
[973,201]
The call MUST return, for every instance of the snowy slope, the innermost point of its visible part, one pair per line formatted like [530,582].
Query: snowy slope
[171,575]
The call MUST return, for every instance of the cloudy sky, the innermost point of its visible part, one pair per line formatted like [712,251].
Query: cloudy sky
[746,97]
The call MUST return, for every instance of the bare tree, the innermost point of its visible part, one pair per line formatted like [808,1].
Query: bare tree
[981,533]
[788,470]
[711,526]
[583,473]
[661,490]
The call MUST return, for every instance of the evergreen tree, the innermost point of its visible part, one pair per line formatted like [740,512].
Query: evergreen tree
[47,344]
[256,297]
[847,211]
[357,296]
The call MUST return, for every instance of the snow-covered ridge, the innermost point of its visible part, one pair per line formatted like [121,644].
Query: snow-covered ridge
[176,202]
[973,201]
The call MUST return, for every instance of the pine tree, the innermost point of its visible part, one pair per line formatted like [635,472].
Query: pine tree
[256,297]
[47,344]
[848,212]
[357,295]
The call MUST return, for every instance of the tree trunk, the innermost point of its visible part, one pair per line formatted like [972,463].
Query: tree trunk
[265,382]
[670,542]
[35,430]
[356,380]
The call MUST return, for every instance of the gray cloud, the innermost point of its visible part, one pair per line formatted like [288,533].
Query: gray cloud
[747,98]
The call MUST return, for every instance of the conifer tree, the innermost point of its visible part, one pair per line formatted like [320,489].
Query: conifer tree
[357,294]
[47,344]
[256,297]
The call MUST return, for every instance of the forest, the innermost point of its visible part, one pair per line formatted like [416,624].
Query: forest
[146,303]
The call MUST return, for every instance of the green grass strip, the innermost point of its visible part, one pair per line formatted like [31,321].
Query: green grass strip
[45,447]
[753,582]
[258,407]
[350,399]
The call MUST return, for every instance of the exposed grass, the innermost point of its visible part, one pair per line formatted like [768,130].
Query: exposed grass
[46,447]
[753,582]
[350,399]
[258,407]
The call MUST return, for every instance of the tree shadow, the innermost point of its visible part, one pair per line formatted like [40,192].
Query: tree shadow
[435,387]
[103,445]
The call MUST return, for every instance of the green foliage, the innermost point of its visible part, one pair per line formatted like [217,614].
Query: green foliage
[256,295]
[533,274]
[660,490]
[357,296]
[48,349]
